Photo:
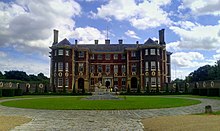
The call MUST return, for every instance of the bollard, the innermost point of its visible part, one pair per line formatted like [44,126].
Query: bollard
[208,109]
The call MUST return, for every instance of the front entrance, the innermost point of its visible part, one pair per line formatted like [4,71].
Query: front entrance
[80,84]
[107,84]
[134,82]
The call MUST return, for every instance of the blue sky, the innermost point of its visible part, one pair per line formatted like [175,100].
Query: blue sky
[192,29]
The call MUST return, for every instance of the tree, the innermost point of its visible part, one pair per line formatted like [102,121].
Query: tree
[1,75]
[17,75]
[74,89]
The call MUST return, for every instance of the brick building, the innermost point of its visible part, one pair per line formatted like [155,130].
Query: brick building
[145,65]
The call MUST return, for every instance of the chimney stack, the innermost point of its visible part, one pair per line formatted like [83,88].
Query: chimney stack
[55,37]
[96,42]
[107,41]
[76,42]
[137,42]
[120,41]
[161,37]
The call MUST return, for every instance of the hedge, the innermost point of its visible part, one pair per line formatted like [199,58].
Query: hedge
[0,93]
[8,92]
[18,92]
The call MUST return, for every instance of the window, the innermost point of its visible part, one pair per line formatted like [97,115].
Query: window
[55,66]
[123,82]
[123,57]
[81,54]
[115,81]
[107,56]
[158,51]
[55,52]
[158,80]
[60,82]
[92,81]
[67,82]
[115,56]
[55,81]
[60,66]
[153,80]
[133,53]
[81,67]
[107,68]
[67,66]
[123,68]
[152,51]
[153,65]
[146,81]
[60,52]
[92,57]
[115,68]
[158,65]
[133,68]
[146,51]
[146,66]
[92,68]
[67,53]
[100,79]
[99,68]
[99,57]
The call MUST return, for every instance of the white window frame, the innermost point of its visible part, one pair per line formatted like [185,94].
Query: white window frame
[100,68]
[67,66]
[123,68]
[115,68]
[158,65]
[66,82]
[55,66]
[99,58]
[123,80]
[153,65]
[67,52]
[133,53]
[134,66]
[123,56]
[60,52]
[115,56]
[81,66]
[60,66]
[158,51]
[81,54]
[107,56]
[92,57]
[92,68]
[107,67]
[146,51]
[152,51]
[153,81]
[60,82]
[146,66]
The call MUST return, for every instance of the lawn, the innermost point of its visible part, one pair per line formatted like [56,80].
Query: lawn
[75,103]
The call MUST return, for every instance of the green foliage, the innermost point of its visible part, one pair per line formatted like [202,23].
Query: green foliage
[18,92]
[8,92]
[18,75]
[204,73]
[0,92]
[139,89]
[131,102]
[36,89]
[45,89]
[83,90]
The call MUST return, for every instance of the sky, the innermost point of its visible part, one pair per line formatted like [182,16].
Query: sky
[192,29]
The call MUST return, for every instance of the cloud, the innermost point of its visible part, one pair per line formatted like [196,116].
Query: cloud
[202,7]
[29,24]
[173,46]
[2,54]
[188,60]
[142,15]
[88,34]
[131,34]
[196,36]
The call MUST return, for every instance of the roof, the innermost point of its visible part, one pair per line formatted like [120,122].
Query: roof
[64,42]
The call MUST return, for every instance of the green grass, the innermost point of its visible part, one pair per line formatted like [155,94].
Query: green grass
[75,103]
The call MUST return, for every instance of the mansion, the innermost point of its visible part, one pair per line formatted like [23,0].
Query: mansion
[131,66]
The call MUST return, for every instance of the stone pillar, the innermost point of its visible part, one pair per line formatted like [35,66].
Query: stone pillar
[141,73]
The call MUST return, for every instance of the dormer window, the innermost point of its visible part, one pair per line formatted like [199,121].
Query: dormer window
[133,53]
[81,54]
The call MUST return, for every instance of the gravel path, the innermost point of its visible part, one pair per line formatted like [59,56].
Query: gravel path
[98,120]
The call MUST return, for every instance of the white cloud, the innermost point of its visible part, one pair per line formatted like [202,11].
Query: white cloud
[188,60]
[87,35]
[30,24]
[202,7]
[196,36]
[173,46]
[131,34]
[143,15]
[2,54]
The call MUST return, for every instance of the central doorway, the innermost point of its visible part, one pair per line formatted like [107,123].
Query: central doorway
[107,83]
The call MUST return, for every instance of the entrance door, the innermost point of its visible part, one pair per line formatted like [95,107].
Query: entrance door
[81,84]
[107,83]
[133,82]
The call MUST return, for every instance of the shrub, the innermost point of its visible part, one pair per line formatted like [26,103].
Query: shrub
[128,90]
[0,92]
[8,92]
[18,92]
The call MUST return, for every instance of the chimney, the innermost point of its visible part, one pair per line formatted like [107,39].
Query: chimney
[120,41]
[96,42]
[161,37]
[55,37]
[76,42]
[107,41]
[137,42]
[156,41]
